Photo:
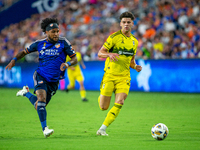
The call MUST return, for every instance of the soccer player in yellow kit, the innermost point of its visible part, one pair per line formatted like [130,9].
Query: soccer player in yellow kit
[119,49]
[75,74]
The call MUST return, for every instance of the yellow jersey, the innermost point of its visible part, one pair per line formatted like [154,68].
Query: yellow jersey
[79,58]
[123,45]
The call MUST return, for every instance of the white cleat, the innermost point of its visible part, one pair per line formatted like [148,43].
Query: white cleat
[47,132]
[102,132]
[23,91]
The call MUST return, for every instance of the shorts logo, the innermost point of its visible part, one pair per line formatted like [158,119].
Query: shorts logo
[57,45]
[128,82]
[103,85]
[52,93]
[40,82]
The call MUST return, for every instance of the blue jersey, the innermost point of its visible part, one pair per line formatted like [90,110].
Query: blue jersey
[51,56]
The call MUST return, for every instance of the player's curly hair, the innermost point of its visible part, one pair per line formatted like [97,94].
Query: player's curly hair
[127,14]
[45,22]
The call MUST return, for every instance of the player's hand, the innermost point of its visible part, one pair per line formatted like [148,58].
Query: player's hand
[138,68]
[113,56]
[63,66]
[10,65]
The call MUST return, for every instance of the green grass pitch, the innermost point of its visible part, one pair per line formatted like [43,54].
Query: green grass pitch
[75,122]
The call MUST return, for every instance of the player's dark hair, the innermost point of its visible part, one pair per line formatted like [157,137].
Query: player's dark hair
[127,14]
[45,22]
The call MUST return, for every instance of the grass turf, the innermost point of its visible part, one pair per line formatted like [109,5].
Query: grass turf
[75,122]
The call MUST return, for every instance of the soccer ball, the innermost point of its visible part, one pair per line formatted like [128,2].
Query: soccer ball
[159,131]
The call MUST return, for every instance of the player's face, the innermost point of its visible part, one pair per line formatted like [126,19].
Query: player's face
[126,25]
[53,35]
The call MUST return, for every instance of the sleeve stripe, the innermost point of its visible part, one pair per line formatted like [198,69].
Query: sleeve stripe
[105,46]
[26,50]
[72,55]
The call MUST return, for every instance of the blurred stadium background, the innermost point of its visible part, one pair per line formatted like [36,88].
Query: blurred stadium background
[168,32]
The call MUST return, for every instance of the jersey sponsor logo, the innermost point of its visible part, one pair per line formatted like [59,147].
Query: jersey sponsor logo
[57,45]
[125,53]
[49,52]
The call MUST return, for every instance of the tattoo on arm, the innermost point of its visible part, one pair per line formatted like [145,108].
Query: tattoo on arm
[20,55]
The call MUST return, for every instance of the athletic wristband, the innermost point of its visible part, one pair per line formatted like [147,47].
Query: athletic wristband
[15,58]
[135,66]
[69,63]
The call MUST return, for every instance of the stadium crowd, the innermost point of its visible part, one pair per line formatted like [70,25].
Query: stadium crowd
[165,29]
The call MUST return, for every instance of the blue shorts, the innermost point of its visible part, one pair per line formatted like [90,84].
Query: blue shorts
[41,83]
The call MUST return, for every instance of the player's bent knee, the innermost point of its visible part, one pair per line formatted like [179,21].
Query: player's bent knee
[103,108]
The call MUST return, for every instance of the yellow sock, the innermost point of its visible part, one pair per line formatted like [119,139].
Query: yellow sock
[83,94]
[112,114]
[69,87]
[99,103]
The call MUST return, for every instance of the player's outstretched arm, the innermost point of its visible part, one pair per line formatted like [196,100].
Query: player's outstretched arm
[103,53]
[82,64]
[17,57]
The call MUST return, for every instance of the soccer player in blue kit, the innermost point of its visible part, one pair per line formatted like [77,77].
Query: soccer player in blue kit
[52,55]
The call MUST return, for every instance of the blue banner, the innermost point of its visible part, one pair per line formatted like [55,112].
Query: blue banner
[24,9]
[156,76]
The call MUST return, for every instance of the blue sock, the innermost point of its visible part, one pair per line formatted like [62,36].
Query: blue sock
[32,98]
[41,110]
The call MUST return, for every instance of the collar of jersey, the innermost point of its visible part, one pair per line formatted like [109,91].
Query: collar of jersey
[125,35]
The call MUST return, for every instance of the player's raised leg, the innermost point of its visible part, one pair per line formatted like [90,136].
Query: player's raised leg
[25,92]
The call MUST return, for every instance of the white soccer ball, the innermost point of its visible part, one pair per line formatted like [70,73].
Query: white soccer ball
[159,131]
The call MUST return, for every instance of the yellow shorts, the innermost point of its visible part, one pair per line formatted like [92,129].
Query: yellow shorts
[74,75]
[117,84]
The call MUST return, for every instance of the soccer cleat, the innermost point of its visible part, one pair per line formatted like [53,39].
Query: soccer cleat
[102,132]
[67,90]
[23,91]
[47,132]
[84,99]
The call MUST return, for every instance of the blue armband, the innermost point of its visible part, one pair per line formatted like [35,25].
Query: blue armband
[15,58]
[69,63]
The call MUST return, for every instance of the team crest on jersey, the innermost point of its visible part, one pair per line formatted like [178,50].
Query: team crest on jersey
[57,45]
